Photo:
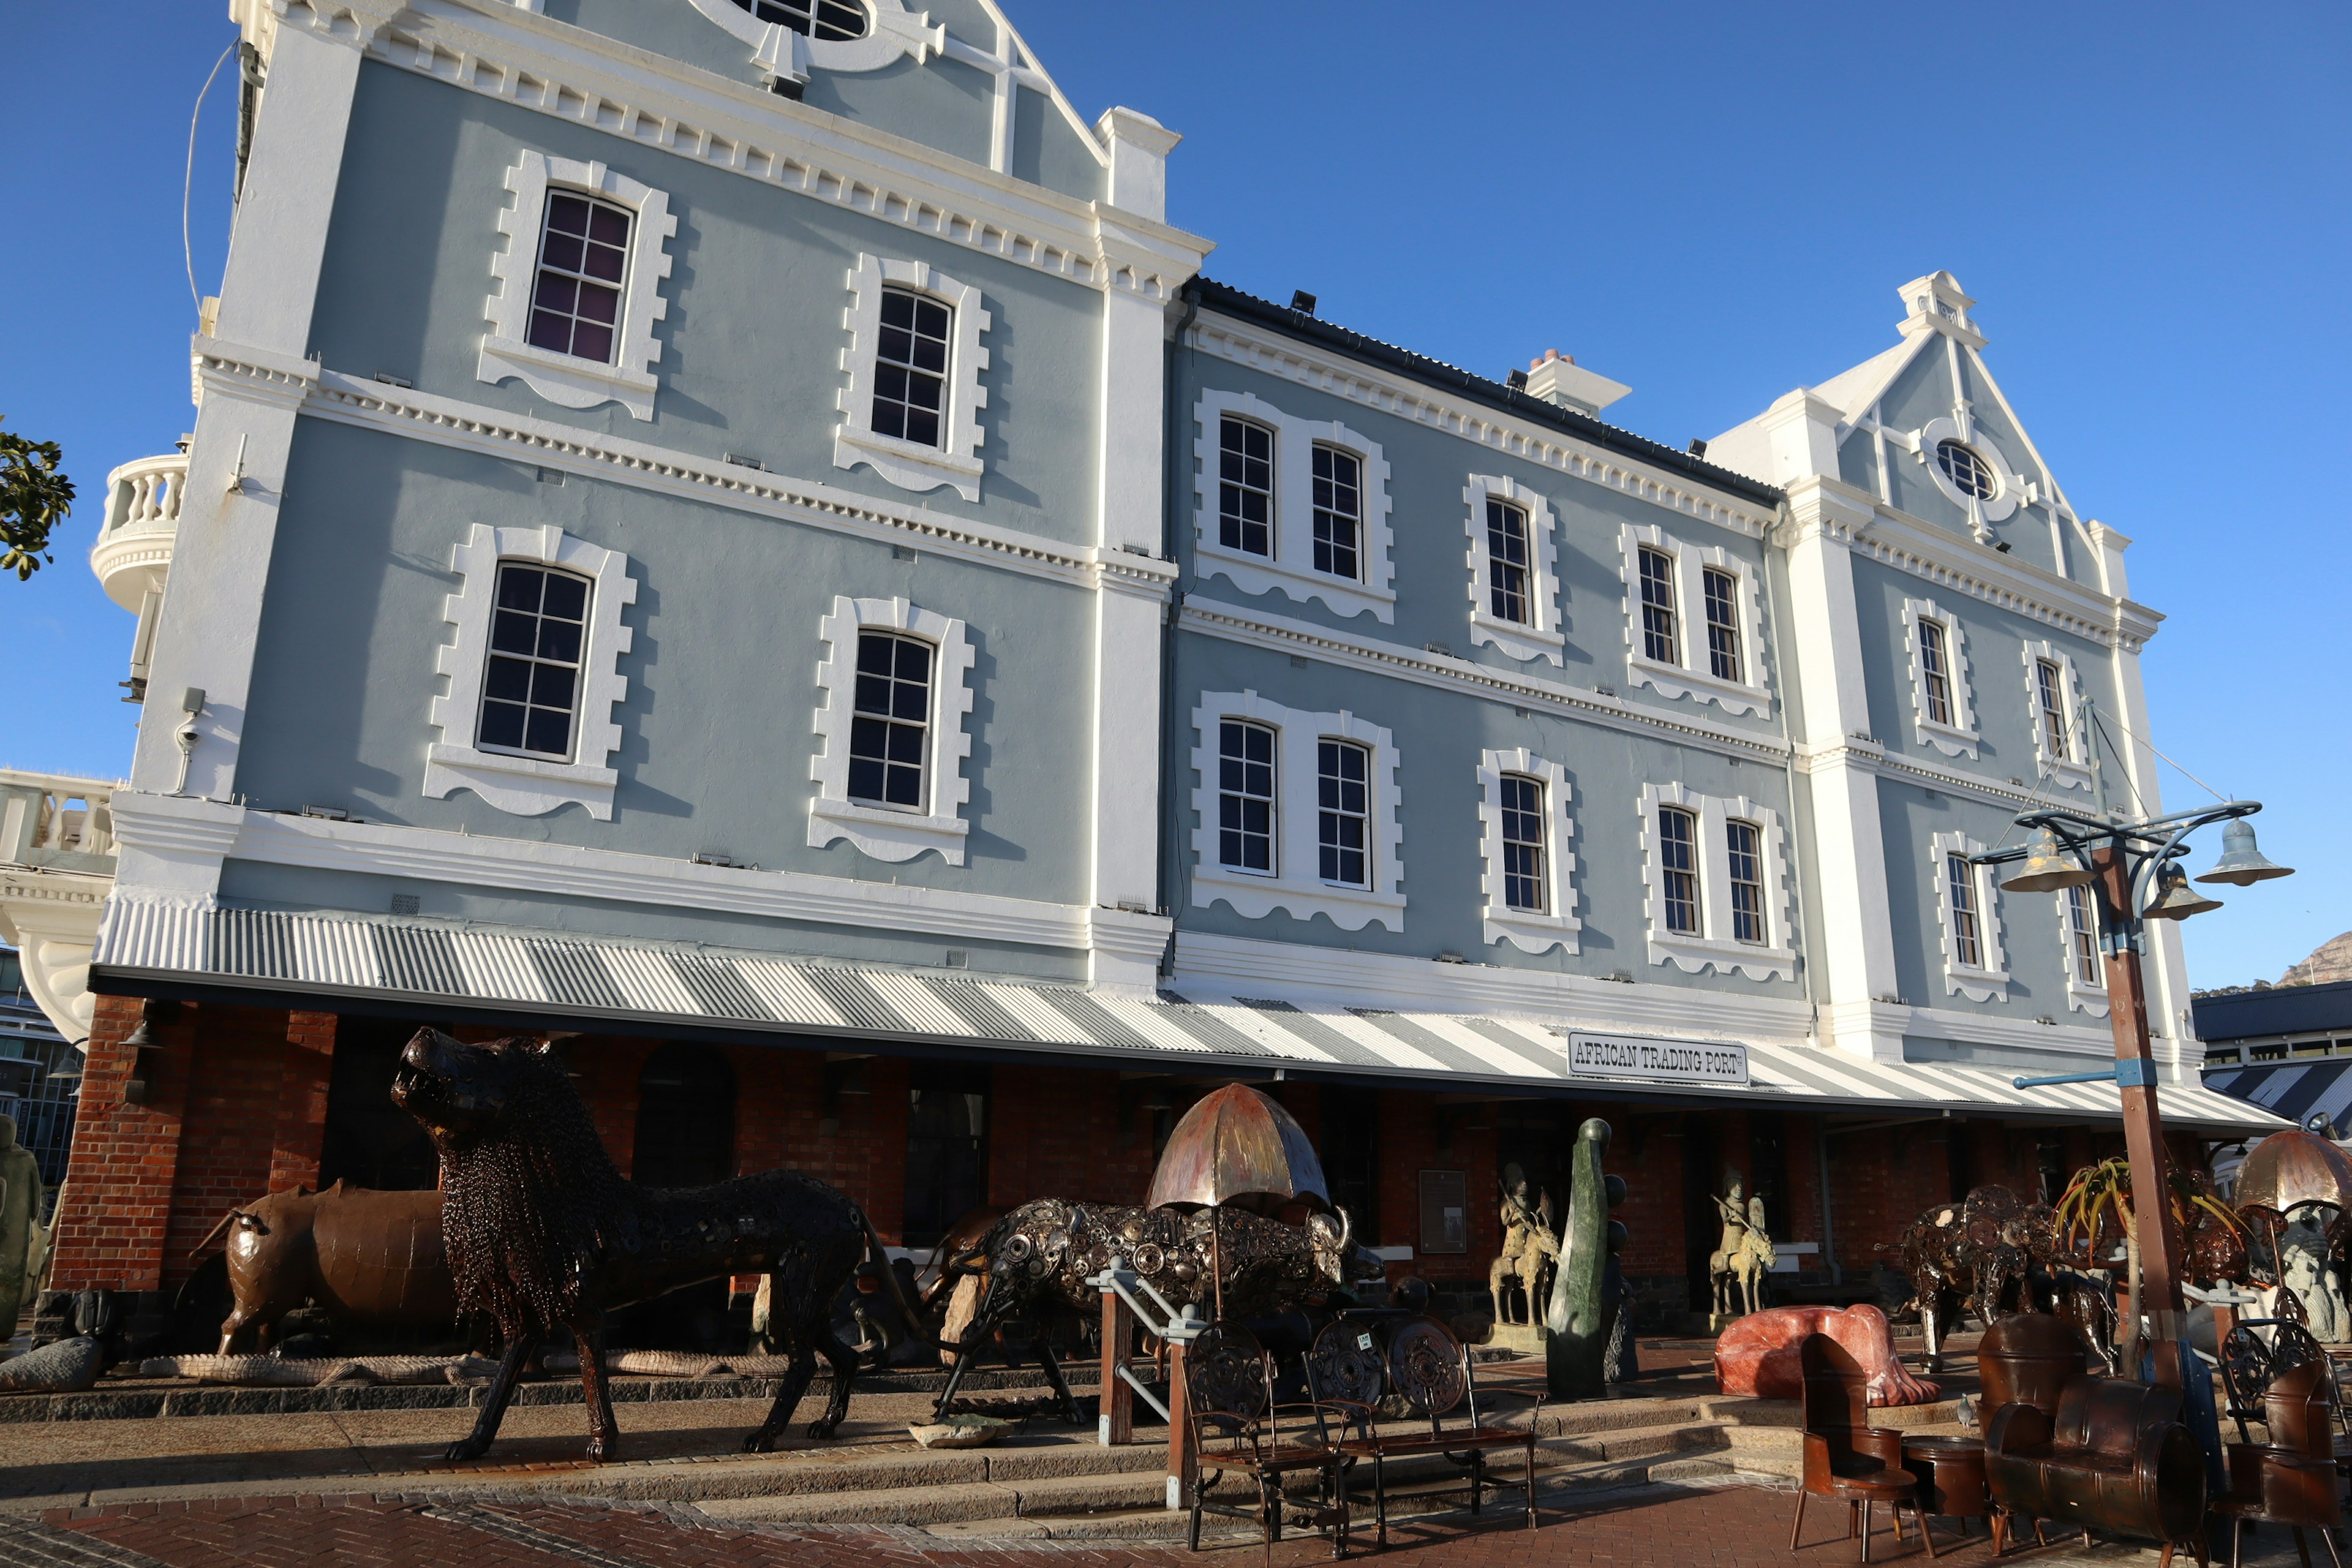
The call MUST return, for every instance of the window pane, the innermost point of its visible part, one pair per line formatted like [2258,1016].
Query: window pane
[1507,561]
[1343,821]
[582,258]
[1968,950]
[1245,795]
[1658,636]
[910,366]
[1678,862]
[1746,866]
[1523,844]
[1722,624]
[888,739]
[508,680]
[501,725]
[1338,511]
[1246,493]
[530,682]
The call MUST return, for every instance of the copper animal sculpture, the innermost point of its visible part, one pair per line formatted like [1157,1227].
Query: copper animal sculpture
[1040,1256]
[365,1256]
[1976,1254]
[545,1234]
[1758,1354]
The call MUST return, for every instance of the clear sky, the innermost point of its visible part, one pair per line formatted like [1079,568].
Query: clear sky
[1713,204]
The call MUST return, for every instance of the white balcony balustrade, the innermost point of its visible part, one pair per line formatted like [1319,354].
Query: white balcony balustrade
[57,865]
[132,557]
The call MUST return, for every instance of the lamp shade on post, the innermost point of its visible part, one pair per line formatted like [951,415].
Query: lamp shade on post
[2049,867]
[2241,863]
[2175,899]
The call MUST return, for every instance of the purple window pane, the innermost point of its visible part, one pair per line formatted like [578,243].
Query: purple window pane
[922,427]
[549,732]
[608,225]
[569,214]
[551,331]
[932,354]
[593,343]
[897,344]
[563,250]
[599,304]
[603,263]
[557,292]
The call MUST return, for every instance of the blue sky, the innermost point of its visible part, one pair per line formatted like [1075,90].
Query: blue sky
[1711,202]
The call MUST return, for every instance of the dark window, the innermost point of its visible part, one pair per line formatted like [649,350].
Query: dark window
[686,1118]
[584,260]
[1658,607]
[1351,1143]
[1744,842]
[1245,487]
[1678,859]
[947,1147]
[1506,562]
[2049,684]
[1338,511]
[369,1141]
[1344,812]
[1935,672]
[532,686]
[890,724]
[1244,796]
[1523,843]
[1722,624]
[910,367]
[1970,474]
[828,21]
[1967,949]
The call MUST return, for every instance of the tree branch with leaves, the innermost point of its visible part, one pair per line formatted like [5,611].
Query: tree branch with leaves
[34,496]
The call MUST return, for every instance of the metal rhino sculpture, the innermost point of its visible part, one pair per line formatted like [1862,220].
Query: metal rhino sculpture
[1037,1259]
[365,1256]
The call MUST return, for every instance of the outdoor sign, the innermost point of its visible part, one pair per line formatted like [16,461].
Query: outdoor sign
[1700,1064]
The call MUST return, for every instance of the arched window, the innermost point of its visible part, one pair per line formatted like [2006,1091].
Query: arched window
[826,20]
[686,1118]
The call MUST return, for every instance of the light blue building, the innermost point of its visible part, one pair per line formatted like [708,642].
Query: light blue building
[739,524]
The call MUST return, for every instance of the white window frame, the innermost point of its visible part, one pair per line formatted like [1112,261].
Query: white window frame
[911,465]
[2068,772]
[1960,738]
[1986,981]
[881,832]
[2081,998]
[892,31]
[1713,946]
[1296,886]
[519,785]
[571,382]
[1543,637]
[1694,677]
[1524,929]
[1291,570]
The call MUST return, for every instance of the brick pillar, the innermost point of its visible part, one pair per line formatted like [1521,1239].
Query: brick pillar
[302,1100]
[117,1198]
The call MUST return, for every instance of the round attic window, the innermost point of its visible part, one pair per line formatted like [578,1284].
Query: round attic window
[1969,474]
[828,21]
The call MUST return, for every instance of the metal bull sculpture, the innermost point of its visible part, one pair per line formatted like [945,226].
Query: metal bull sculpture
[366,1256]
[545,1234]
[1036,1260]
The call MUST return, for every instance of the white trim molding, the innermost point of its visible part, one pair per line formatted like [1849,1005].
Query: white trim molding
[530,787]
[2071,770]
[876,830]
[911,465]
[1987,980]
[1289,570]
[1714,947]
[1542,635]
[1529,930]
[1693,676]
[892,32]
[563,379]
[1297,886]
[2081,998]
[1959,737]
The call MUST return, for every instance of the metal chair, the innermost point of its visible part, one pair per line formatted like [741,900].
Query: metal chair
[1234,1426]
[1358,1364]
[1846,1458]
[2291,1479]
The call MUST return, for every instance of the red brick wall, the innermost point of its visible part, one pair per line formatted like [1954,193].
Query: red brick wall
[116,1201]
[308,1064]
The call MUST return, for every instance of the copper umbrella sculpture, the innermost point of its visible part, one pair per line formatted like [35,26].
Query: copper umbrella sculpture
[2288,1170]
[1240,1147]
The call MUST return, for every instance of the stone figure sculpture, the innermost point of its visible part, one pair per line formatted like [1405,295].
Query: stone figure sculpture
[1039,1257]
[365,1256]
[23,1242]
[1745,1255]
[2306,1269]
[544,1234]
[1530,1249]
[1584,1308]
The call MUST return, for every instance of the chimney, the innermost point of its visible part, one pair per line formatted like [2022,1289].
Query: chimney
[1558,378]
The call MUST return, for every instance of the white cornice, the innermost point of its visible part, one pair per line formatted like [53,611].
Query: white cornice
[1870,757]
[228,368]
[1239,342]
[565,871]
[499,52]
[1235,624]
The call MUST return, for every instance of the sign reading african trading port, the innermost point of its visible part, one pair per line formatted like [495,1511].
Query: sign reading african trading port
[1708,1064]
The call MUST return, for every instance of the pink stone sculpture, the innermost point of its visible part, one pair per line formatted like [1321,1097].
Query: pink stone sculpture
[1757,1354]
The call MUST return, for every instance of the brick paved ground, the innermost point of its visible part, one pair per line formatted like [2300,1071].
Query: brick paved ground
[1735,1527]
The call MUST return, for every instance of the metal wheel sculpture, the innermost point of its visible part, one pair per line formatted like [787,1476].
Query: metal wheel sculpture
[1426,1366]
[1346,1364]
[2250,1363]
[1224,1372]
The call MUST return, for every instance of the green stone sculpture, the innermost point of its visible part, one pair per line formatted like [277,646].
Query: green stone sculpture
[22,1241]
[1584,1308]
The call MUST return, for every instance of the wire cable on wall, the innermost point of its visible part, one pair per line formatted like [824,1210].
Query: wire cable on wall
[188,184]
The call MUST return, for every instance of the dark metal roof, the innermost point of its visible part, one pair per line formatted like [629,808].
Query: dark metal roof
[2274,1010]
[1231,302]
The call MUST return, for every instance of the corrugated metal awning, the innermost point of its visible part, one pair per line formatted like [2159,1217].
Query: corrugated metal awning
[638,985]
[2294,1091]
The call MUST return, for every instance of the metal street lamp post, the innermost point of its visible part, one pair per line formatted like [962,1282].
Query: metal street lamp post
[2134,869]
